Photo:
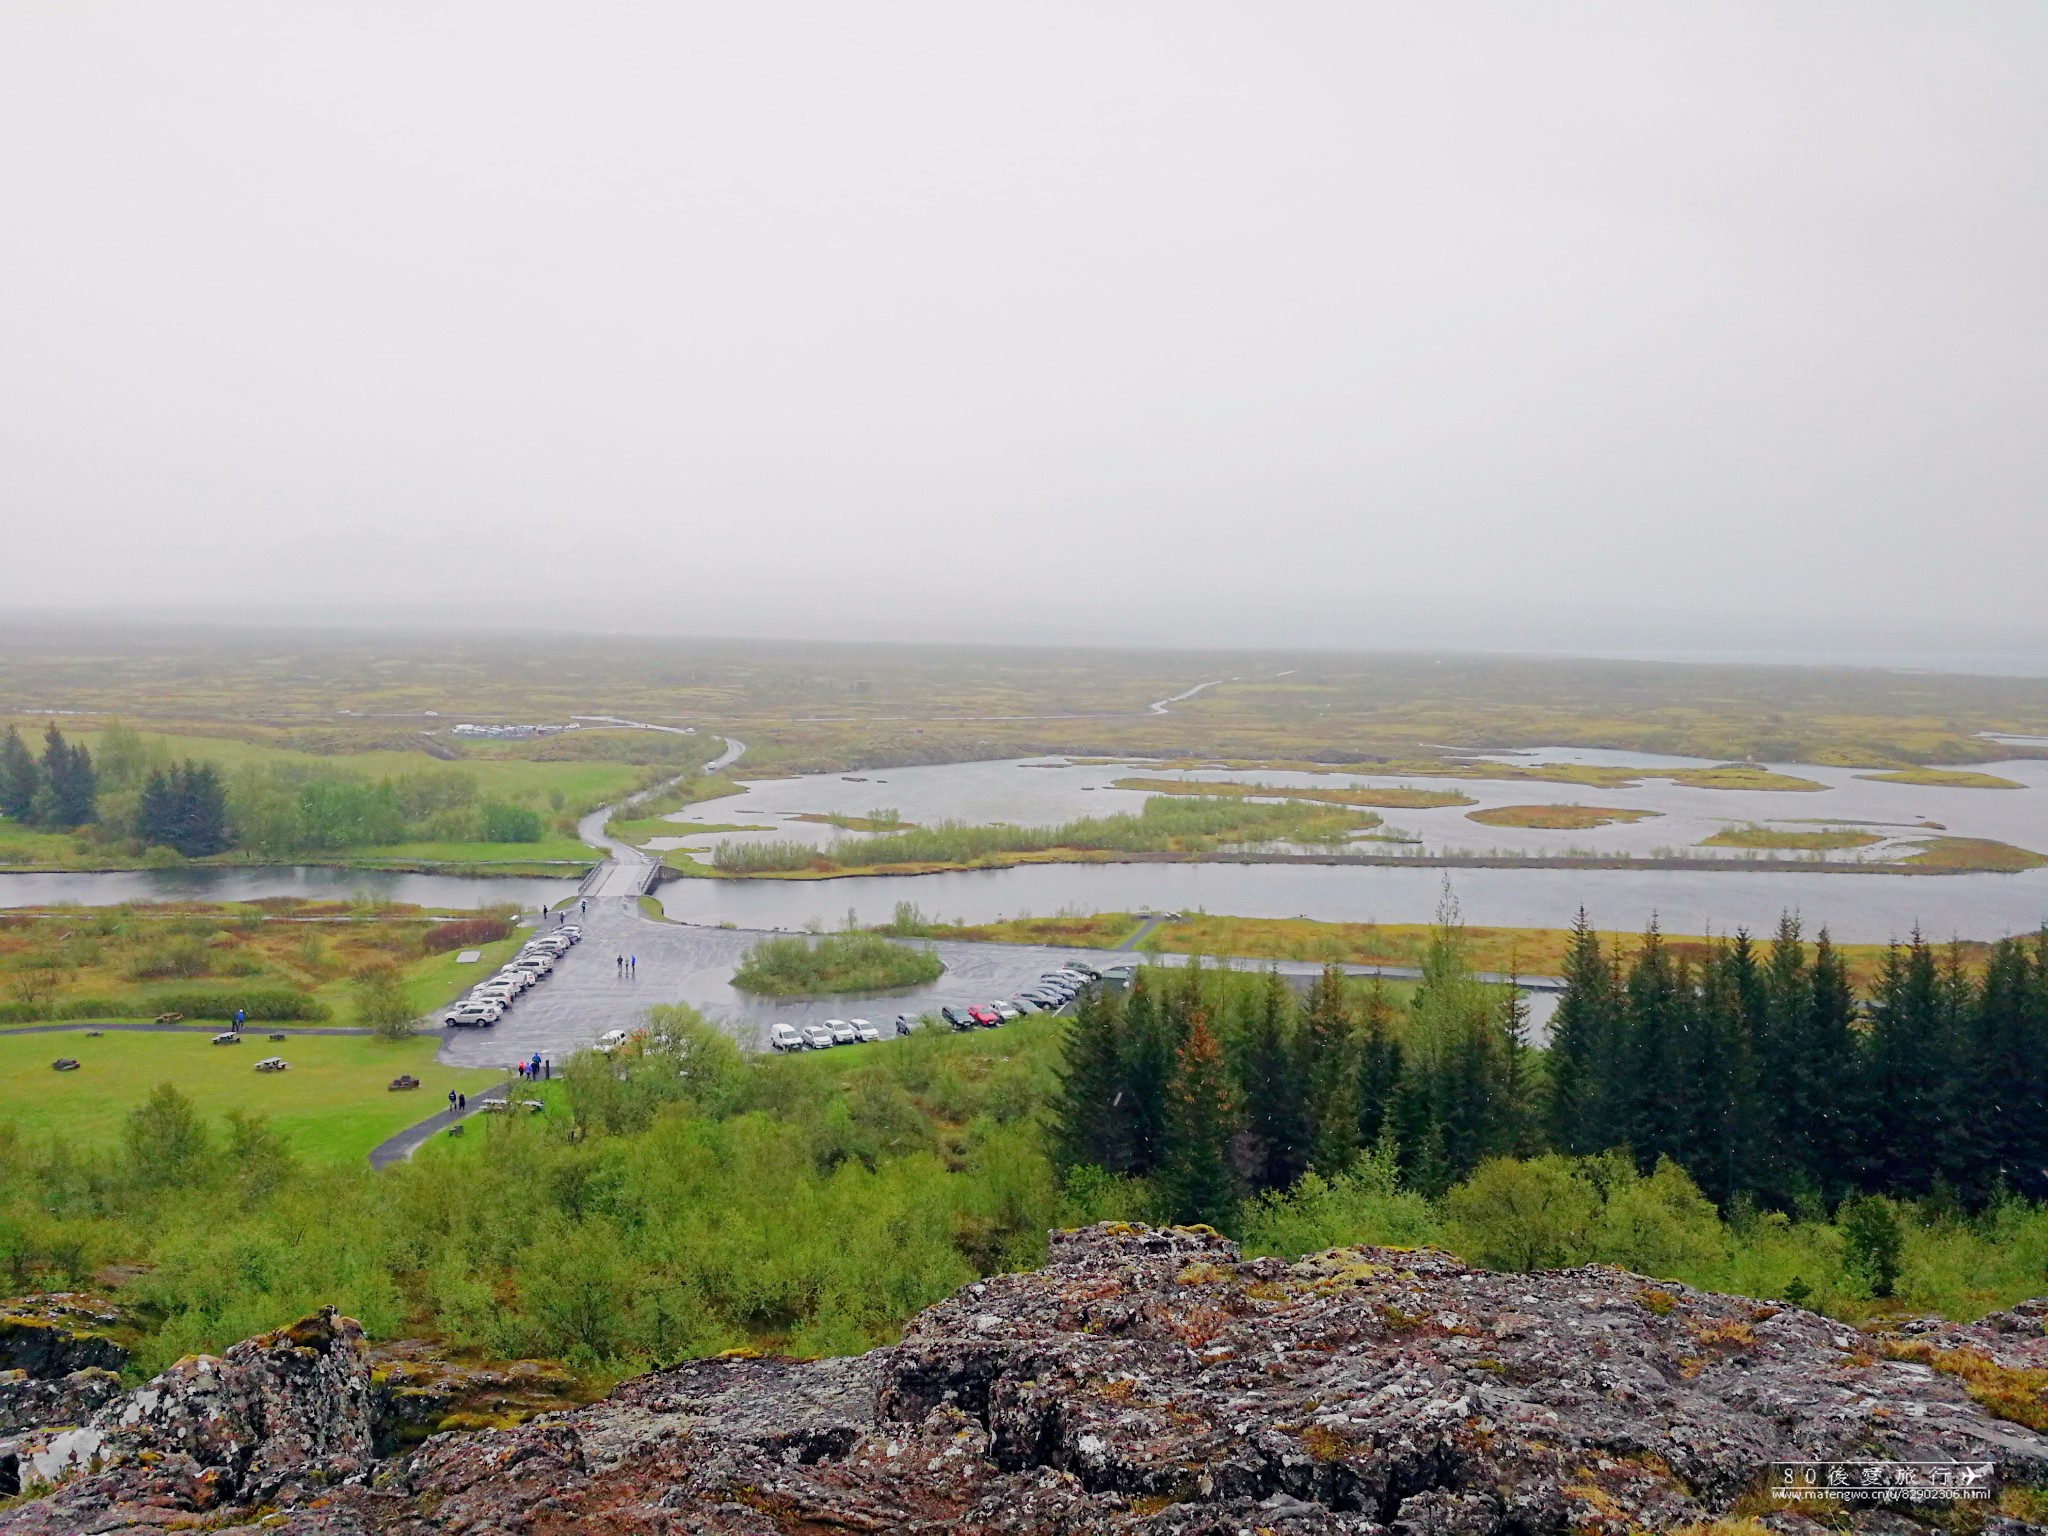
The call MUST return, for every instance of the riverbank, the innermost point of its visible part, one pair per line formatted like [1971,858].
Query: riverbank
[1990,858]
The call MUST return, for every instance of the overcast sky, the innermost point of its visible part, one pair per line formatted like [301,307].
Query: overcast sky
[1632,326]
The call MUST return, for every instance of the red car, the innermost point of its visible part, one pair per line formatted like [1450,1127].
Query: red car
[987,1018]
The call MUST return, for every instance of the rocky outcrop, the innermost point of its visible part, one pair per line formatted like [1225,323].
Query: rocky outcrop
[279,1419]
[414,1393]
[26,1403]
[54,1334]
[1151,1380]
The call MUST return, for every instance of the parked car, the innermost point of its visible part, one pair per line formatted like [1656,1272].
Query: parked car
[957,1017]
[501,993]
[1008,1010]
[610,1041]
[817,1037]
[227,1037]
[540,964]
[865,1032]
[570,931]
[518,979]
[905,1023]
[842,1032]
[272,1064]
[783,1037]
[473,1015]
[987,1018]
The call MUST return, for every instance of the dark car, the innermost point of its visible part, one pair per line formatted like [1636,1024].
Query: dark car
[957,1017]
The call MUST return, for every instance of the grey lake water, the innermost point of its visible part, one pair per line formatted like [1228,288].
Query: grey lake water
[1857,906]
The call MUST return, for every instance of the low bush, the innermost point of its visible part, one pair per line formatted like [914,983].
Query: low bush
[268,1005]
[470,933]
[842,962]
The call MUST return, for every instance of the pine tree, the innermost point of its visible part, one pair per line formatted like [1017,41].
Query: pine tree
[1146,1068]
[1088,1116]
[1329,1070]
[1197,1177]
[18,777]
[1459,1097]
[2004,1069]
[1833,1109]
[1652,1054]
[202,811]
[1379,1067]
[66,791]
[1275,1106]
[1906,1060]
[1721,1137]
[1578,1108]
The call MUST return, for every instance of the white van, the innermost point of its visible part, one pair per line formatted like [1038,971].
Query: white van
[783,1037]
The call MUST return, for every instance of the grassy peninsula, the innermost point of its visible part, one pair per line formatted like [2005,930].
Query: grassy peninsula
[1556,818]
[1165,824]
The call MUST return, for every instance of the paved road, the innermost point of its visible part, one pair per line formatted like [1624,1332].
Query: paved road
[398,1148]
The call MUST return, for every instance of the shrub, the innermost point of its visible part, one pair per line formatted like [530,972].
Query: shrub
[842,962]
[266,1005]
[380,1002]
[1536,1214]
[1874,1240]
[504,823]
[470,933]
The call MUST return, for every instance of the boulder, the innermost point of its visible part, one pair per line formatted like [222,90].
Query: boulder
[29,1403]
[415,1393]
[51,1335]
[280,1419]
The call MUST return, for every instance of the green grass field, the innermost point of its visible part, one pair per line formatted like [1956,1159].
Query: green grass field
[333,1104]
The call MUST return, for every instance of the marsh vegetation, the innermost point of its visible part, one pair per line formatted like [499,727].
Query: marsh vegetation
[1165,824]
[834,964]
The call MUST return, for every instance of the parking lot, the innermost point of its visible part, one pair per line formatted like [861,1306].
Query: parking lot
[586,994]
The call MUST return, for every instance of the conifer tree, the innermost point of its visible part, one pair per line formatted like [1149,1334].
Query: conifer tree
[2003,1077]
[1832,1107]
[1275,1105]
[1379,1067]
[66,791]
[1197,1176]
[1653,1053]
[1721,1136]
[1089,1123]
[1147,1062]
[1329,1069]
[1579,1113]
[1905,1060]
[18,777]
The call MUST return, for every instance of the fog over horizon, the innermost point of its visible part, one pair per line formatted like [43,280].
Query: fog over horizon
[1716,329]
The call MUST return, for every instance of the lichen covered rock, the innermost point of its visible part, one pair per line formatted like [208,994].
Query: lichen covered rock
[1152,1380]
[279,1419]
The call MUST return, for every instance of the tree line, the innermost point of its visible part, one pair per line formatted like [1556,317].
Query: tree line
[1216,1085]
[1754,1068]
[1759,1070]
[136,793]
[56,791]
